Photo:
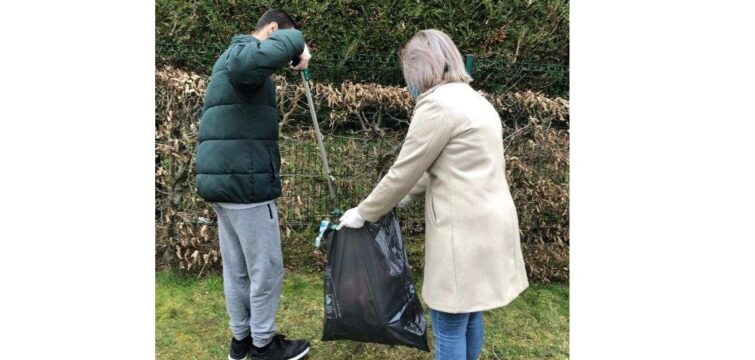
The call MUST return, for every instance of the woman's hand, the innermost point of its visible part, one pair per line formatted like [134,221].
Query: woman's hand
[351,219]
[405,201]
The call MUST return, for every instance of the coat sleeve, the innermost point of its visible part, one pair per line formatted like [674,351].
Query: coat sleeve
[429,131]
[418,190]
[252,63]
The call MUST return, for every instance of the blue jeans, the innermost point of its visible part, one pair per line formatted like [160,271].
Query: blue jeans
[457,336]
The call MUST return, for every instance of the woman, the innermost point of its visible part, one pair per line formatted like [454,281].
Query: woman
[453,153]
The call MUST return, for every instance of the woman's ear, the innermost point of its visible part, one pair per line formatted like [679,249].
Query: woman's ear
[273,27]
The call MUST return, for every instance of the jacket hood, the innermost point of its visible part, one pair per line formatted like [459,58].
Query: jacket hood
[242,38]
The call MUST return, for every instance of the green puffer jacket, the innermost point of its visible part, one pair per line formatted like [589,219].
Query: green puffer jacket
[237,157]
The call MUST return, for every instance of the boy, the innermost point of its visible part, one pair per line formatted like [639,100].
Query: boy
[238,164]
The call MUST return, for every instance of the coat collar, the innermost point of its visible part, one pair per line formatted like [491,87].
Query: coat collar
[432,89]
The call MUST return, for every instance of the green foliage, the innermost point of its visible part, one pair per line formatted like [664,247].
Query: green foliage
[191,322]
[511,39]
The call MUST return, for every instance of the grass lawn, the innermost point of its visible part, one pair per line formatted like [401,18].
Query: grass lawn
[191,322]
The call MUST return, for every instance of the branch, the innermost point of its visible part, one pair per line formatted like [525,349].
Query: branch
[294,106]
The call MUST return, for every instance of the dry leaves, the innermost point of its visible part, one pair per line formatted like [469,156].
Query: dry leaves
[537,168]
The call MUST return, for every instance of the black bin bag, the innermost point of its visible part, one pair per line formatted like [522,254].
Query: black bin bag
[369,294]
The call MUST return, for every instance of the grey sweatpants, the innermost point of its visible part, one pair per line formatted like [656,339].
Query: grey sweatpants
[252,269]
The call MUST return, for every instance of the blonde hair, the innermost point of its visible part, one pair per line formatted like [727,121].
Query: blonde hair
[431,58]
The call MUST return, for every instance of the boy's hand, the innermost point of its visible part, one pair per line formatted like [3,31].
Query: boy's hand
[303,59]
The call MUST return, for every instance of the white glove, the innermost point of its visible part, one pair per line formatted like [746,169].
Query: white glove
[351,219]
[405,201]
[303,59]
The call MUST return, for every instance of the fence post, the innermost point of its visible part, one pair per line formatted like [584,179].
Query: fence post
[469,63]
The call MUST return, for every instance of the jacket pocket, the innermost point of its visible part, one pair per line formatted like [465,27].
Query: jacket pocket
[431,205]
[273,167]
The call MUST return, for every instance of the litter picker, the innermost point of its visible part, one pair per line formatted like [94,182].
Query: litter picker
[324,224]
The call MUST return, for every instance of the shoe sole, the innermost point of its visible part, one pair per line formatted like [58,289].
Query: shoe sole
[303,353]
[297,357]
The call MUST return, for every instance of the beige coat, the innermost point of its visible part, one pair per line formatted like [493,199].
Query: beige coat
[453,152]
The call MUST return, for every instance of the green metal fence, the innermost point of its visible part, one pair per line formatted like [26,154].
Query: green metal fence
[303,164]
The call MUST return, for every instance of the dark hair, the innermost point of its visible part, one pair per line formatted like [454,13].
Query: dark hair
[279,16]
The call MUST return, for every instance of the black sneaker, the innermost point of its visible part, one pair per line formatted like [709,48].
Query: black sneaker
[240,348]
[281,349]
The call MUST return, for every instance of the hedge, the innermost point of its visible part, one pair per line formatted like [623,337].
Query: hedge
[364,126]
[524,40]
